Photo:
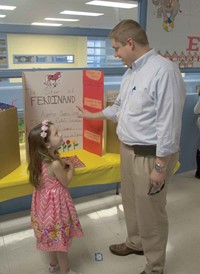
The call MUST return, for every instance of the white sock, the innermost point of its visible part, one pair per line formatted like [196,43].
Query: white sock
[72,272]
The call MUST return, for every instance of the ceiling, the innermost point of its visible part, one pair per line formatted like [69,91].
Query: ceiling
[29,11]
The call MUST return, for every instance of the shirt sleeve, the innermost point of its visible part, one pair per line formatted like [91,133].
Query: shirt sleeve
[111,112]
[197,107]
[169,102]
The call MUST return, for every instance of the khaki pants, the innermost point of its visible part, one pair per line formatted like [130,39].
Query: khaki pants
[146,217]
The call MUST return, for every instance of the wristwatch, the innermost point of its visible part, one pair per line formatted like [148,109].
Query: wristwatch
[159,168]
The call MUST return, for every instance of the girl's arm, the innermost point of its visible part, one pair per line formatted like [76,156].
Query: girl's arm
[64,175]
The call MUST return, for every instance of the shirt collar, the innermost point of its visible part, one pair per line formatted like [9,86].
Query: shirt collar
[140,62]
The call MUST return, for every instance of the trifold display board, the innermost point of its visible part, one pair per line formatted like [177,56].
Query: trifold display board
[9,140]
[55,95]
[112,141]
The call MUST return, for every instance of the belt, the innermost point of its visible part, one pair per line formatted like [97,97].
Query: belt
[144,150]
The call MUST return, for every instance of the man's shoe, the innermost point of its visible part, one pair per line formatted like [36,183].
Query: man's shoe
[123,250]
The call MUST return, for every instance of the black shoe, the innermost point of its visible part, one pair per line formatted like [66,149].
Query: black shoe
[197,175]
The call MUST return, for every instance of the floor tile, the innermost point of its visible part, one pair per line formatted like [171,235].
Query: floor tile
[102,218]
[4,266]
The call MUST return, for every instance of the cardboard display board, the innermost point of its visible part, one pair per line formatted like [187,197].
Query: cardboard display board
[93,101]
[9,139]
[55,95]
[112,141]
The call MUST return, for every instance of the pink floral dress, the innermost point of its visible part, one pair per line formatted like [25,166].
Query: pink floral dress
[53,216]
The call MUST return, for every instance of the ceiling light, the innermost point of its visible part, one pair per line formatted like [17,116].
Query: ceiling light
[81,13]
[3,7]
[2,15]
[112,4]
[62,19]
[46,24]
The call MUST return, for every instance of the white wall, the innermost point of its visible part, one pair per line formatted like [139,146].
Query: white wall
[186,24]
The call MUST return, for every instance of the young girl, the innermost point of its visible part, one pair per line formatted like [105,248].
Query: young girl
[53,215]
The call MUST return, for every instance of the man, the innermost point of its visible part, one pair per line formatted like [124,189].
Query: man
[148,111]
[197,111]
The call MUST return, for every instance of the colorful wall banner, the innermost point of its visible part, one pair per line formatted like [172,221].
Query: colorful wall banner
[173,29]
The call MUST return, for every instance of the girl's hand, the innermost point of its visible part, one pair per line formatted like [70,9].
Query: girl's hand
[64,163]
[68,165]
[63,171]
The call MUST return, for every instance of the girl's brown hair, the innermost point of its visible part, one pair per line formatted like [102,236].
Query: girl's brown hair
[38,153]
[129,29]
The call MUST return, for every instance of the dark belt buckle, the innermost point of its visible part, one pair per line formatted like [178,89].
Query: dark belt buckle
[142,150]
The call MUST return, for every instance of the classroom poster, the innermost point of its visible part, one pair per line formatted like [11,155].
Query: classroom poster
[54,96]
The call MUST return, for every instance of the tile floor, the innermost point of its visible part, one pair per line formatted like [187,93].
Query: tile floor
[103,222]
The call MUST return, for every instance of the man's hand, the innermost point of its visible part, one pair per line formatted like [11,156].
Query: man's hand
[157,178]
[83,113]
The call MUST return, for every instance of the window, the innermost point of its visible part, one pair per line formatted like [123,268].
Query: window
[100,53]
[30,59]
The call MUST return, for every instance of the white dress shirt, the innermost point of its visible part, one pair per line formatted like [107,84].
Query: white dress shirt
[150,103]
[197,111]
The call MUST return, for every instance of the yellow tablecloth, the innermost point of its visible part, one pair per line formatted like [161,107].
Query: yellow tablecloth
[98,170]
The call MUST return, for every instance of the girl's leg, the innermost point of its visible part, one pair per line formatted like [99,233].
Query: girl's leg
[53,258]
[63,262]
[53,264]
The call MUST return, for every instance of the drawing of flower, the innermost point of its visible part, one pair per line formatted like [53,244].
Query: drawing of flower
[74,143]
[68,144]
[64,146]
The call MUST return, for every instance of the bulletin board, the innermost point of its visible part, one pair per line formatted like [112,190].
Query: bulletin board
[173,29]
